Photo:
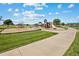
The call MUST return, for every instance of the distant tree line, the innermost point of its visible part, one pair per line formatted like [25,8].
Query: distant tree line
[7,21]
[56,22]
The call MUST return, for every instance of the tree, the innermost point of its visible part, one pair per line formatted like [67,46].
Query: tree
[40,23]
[8,22]
[63,23]
[27,24]
[56,22]
[45,20]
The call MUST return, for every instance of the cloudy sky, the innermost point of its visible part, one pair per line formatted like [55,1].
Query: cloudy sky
[34,13]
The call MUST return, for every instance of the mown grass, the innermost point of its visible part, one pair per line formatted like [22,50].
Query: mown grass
[5,26]
[76,27]
[74,48]
[14,40]
[2,27]
[64,27]
[13,26]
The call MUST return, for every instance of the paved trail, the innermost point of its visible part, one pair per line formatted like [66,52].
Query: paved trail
[53,46]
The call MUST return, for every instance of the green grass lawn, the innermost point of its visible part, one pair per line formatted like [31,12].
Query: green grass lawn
[12,26]
[14,40]
[5,26]
[64,27]
[2,27]
[74,48]
[77,27]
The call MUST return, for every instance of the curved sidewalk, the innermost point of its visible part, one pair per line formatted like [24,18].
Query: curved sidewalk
[53,46]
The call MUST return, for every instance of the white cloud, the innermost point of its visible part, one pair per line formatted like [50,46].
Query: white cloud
[28,4]
[28,14]
[57,13]
[16,14]
[34,4]
[16,10]
[9,9]
[39,8]
[39,15]
[9,3]
[2,3]
[59,6]
[50,13]
[66,11]
[71,5]
[32,14]
[77,17]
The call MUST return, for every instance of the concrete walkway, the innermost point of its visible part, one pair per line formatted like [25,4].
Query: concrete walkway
[53,46]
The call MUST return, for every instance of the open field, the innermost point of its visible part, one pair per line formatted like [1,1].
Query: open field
[64,27]
[2,27]
[74,48]
[76,27]
[5,26]
[11,41]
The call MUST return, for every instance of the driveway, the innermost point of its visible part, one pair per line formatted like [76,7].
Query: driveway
[53,46]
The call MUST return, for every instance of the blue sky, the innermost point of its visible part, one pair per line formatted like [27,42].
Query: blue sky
[30,13]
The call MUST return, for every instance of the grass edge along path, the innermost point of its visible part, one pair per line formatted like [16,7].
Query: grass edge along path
[74,48]
[11,41]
